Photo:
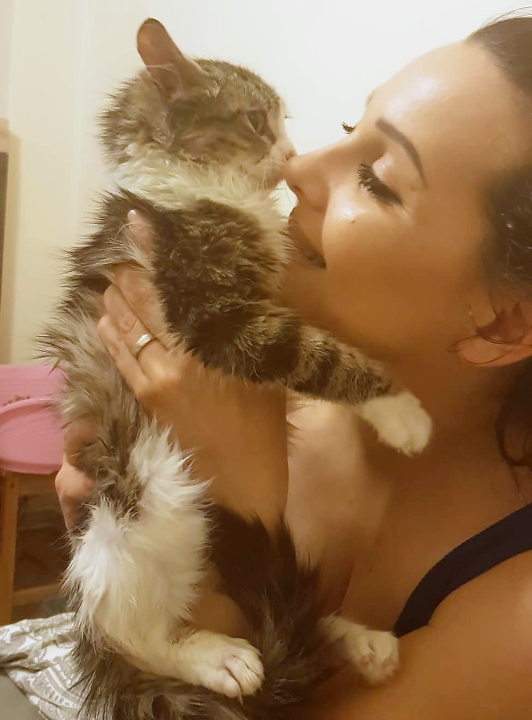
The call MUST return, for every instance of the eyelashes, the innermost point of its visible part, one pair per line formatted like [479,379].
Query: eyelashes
[370,182]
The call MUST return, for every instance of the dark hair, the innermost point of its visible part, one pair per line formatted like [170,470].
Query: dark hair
[509,211]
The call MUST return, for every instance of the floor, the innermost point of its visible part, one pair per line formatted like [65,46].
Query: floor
[41,555]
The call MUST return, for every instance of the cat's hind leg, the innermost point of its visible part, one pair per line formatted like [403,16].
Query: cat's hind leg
[230,666]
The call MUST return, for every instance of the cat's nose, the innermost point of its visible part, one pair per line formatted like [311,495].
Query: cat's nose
[285,148]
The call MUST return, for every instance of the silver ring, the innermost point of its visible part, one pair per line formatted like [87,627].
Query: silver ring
[142,341]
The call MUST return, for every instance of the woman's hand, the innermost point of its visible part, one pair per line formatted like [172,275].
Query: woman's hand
[73,487]
[235,431]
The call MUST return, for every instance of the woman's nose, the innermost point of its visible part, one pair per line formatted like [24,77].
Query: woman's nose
[306,177]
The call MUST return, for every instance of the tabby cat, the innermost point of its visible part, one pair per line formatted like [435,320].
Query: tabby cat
[198,147]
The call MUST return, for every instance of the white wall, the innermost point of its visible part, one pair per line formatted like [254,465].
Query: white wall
[323,56]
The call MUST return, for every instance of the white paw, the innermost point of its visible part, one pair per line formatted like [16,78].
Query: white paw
[373,652]
[231,667]
[399,420]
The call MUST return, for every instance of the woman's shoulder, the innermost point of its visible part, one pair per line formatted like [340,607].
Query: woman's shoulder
[499,599]
[472,660]
[482,633]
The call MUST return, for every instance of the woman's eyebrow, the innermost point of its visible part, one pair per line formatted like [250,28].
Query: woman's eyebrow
[393,133]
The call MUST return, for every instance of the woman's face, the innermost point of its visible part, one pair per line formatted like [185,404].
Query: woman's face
[396,208]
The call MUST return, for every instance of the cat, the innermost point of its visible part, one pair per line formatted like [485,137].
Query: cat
[197,147]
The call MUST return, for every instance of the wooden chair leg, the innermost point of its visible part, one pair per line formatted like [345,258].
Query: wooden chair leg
[8,538]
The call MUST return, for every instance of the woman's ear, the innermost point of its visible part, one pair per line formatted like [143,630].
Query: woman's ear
[504,340]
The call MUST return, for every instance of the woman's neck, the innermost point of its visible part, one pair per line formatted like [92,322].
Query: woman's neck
[463,462]
[460,398]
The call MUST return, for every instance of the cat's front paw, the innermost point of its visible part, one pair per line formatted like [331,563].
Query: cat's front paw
[400,421]
[374,653]
[231,666]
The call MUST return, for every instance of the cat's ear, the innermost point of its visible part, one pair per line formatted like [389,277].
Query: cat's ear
[176,76]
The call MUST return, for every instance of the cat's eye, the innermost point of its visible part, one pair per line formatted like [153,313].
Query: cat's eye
[257,120]
[374,185]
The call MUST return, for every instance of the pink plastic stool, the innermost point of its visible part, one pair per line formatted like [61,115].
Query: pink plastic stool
[30,431]
[30,455]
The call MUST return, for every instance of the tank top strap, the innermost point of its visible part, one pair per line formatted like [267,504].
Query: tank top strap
[504,539]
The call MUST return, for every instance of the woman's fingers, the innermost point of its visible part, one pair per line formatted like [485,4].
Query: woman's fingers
[73,488]
[144,372]
[142,299]
[123,357]
[75,436]
[151,371]
[136,289]
[128,326]
[140,231]
[127,338]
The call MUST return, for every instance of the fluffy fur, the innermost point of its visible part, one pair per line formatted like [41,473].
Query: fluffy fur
[197,146]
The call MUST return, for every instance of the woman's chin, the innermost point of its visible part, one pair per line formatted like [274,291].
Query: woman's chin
[304,290]
[300,248]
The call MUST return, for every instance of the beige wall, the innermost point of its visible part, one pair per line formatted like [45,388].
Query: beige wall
[324,57]
[6,24]
[42,179]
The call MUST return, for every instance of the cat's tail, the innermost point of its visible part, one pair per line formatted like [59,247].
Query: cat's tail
[278,595]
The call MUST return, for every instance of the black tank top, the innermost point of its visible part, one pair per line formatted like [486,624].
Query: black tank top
[506,538]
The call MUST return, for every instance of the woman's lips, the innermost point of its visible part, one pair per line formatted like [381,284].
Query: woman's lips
[302,244]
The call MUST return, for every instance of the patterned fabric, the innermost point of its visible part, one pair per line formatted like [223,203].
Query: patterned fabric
[36,655]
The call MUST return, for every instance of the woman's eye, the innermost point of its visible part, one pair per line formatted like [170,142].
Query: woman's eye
[370,182]
[257,120]
[348,129]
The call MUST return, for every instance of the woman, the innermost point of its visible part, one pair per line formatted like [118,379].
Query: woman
[423,217]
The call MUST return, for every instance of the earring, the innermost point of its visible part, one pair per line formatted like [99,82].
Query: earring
[493,342]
